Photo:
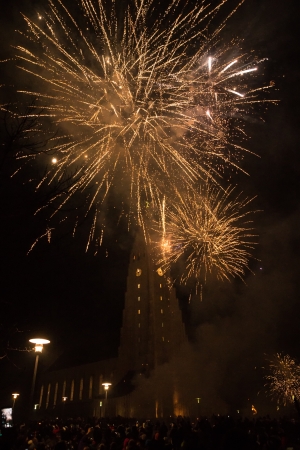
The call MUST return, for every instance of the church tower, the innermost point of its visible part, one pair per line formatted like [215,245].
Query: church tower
[152,329]
[143,383]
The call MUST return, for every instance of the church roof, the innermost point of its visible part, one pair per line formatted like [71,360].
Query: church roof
[79,356]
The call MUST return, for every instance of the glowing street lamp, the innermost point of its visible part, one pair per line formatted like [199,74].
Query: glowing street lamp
[198,403]
[106,387]
[38,348]
[15,396]
[64,399]
[39,342]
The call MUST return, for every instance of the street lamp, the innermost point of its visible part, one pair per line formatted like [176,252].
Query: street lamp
[198,408]
[64,399]
[15,396]
[106,387]
[38,348]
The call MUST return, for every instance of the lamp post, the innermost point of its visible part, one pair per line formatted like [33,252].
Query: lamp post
[38,348]
[198,408]
[64,399]
[106,387]
[15,396]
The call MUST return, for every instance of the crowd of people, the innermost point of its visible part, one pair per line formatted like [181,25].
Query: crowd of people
[215,433]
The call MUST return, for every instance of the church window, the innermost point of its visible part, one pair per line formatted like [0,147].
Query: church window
[161,311]
[139,311]
[48,395]
[100,384]
[64,389]
[160,285]
[163,339]
[160,298]
[72,391]
[55,394]
[139,325]
[139,299]
[80,388]
[162,324]
[139,286]
[91,387]
[41,395]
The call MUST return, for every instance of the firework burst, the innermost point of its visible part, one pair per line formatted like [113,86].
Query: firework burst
[209,231]
[142,99]
[283,382]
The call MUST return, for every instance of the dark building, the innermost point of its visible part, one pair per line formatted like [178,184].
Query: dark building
[152,332]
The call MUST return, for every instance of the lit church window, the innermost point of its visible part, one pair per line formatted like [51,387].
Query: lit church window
[160,298]
[163,338]
[64,389]
[139,311]
[160,285]
[41,395]
[72,391]
[48,395]
[161,311]
[100,384]
[80,388]
[55,394]
[162,324]
[139,299]
[91,387]
[139,286]
[139,325]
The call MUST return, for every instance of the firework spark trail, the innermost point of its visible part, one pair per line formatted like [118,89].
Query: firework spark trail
[210,231]
[150,96]
[284,381]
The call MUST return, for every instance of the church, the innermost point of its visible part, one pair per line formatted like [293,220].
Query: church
[128,385]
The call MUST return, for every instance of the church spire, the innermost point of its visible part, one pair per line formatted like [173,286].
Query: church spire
[152,323]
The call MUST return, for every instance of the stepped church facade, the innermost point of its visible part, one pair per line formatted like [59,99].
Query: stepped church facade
[152,333]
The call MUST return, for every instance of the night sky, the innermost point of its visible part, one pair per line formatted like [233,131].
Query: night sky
[75,298]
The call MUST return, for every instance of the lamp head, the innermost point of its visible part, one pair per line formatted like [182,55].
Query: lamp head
[106,385]
[39,342]
[15,395]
